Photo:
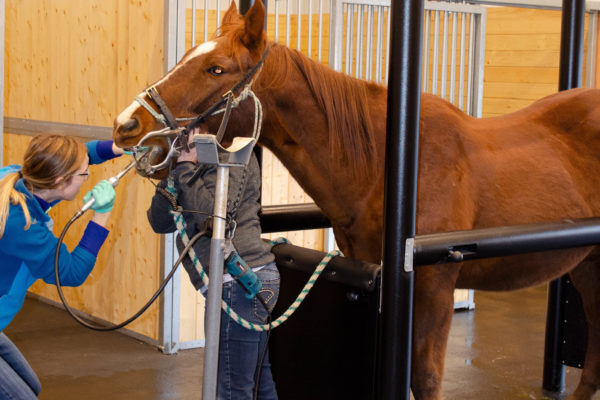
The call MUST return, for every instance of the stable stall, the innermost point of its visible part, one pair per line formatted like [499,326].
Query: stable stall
[109,51]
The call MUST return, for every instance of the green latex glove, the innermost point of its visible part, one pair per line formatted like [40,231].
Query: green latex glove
[104,195]
[143,149]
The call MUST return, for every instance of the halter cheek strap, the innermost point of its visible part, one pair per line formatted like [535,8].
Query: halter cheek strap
[162,106]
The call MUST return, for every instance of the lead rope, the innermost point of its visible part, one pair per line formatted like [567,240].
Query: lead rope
[180,224]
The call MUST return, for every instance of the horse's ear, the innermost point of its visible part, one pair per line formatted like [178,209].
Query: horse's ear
[232,15]
[254,26]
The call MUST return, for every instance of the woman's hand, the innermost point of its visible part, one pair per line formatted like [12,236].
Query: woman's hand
[117,150]
[104,200]
[190,155]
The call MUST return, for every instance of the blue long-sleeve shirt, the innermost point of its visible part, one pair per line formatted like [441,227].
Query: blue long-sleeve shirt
[28,255]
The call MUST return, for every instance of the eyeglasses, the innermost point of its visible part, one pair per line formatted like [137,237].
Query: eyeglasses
[85,174]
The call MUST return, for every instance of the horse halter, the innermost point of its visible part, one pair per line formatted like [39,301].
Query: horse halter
[176,134]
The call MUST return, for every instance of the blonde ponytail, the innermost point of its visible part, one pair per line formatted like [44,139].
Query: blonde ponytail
[47,158]
[8,195]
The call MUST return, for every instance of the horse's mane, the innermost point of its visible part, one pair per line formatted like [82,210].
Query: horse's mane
[342,98]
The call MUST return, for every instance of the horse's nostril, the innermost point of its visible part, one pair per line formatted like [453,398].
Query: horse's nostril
[129,125]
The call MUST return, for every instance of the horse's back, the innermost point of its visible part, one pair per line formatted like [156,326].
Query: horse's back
[536,164]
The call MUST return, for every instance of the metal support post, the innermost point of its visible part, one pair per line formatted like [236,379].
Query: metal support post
[215,287]
[209,151]
[401,165]
[571,62]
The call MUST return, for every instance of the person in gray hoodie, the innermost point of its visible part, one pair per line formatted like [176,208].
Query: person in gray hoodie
[240,349]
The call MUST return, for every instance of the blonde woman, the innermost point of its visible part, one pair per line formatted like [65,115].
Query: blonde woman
[54,168]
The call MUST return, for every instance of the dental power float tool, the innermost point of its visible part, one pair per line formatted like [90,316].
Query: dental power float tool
[114,181]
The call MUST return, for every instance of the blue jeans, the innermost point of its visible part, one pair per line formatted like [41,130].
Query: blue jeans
[17,379]
[240,349]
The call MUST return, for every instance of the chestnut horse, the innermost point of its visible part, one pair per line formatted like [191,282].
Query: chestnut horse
[538,164]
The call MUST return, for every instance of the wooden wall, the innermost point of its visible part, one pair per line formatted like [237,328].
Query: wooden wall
[521,57]
[82,62]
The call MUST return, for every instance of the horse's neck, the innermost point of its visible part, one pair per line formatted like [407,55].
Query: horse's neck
[296,131]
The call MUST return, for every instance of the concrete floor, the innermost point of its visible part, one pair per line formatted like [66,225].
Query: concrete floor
[494,352]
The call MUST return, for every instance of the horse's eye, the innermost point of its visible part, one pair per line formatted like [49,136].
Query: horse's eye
[216,70]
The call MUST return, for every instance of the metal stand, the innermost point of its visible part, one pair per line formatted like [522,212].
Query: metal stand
[209,151]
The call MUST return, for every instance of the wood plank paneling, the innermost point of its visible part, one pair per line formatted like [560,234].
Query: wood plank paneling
[82,63]
[522,55]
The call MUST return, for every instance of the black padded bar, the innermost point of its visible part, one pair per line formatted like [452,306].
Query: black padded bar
[340,269]
[292,217]
[506,240]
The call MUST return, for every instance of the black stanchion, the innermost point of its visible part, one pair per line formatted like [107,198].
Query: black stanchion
[571,62]
[401,164]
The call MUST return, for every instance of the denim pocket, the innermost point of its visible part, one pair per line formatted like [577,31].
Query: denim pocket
[269,276]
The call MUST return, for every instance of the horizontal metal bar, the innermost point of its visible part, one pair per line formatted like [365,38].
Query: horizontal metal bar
[536,4]
[429,5]
[504,241]
[292,217]
[34,127]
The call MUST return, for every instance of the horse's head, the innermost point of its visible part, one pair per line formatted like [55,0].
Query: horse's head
[198,82]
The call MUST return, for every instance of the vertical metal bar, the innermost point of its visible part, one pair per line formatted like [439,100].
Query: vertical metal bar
[320,45]
[571,62]
[387,49]
[206,20]
[287,23]
[218,11]
[369,44]
[402,143]
[592,44]
[444,75]
[299,27]
[426,38]
[452,96]
[174,45]
[215,288]
[309,47]
[470,64]
[359,42]
[349,32]
[336,41]
[479,59]
[436,42]
[379,45]
[193,38]
[276,21]
[461,64]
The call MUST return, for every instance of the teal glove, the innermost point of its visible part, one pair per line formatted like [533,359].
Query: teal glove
[104,195]
[143,149]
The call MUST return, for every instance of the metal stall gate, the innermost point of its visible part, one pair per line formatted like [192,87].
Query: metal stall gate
[453,47]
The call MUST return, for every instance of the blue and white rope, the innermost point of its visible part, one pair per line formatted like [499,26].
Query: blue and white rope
[180,224]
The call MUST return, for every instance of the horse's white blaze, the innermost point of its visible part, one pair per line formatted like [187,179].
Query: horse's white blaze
[204,48]
[201,49]
[127,113]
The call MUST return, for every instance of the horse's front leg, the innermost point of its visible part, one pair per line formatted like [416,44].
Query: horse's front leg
[433,309]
